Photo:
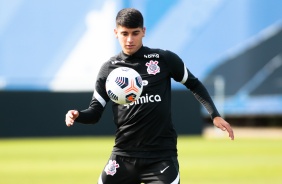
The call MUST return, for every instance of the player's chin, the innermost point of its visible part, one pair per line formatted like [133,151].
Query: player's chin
[130,50]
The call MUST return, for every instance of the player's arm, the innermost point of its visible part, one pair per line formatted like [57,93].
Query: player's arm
[202,95]
[94,112]
[181,74]
[90,115]
[97,105]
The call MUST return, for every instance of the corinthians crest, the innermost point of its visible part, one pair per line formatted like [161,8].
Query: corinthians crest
[153,67]
[111,168]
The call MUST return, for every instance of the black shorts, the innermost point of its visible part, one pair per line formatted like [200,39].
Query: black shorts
[128,170]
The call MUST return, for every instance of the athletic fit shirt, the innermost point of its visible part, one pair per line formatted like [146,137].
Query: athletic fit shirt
[144,127]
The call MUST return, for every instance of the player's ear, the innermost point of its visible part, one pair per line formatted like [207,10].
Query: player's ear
[144,31]
[116,33]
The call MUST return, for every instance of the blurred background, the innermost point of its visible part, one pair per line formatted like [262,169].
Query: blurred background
[51,51]
[50,54]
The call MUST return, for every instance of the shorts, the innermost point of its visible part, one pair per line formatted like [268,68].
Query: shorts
[128,170]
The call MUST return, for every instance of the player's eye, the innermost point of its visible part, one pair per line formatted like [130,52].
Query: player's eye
[136,33]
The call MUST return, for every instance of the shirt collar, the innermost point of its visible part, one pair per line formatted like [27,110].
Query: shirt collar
[138,53]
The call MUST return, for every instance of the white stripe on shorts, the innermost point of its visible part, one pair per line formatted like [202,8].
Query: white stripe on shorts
[176,181]
[100,180]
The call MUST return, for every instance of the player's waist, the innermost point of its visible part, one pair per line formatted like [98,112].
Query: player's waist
[146,153]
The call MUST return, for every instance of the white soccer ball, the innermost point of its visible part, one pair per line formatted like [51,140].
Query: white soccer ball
[124,85]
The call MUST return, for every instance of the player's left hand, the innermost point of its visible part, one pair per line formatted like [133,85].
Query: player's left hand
[219,122]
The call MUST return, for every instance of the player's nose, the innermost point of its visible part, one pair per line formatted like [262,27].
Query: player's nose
[129,39]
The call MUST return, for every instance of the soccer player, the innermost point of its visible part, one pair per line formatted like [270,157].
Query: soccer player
[145,148]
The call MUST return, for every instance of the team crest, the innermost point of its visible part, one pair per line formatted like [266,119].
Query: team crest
[153,67]
[111,168]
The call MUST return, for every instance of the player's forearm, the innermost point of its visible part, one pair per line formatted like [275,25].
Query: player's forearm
[202,95]
[88,116]
[204,98]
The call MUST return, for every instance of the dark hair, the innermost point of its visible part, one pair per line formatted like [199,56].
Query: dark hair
[130,18]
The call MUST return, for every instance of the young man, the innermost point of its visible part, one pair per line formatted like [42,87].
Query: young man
[145,145]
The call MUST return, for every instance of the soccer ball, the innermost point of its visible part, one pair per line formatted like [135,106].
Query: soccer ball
[124,85]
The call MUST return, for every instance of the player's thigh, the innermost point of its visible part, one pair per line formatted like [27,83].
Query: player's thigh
[119,170]
[162,172]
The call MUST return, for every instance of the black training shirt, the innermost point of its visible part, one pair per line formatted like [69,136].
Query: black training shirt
[144,127]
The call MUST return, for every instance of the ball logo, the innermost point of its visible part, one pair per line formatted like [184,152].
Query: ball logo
[139,81]
[130,98]
[153,67]
[122,82]
[132,87]
[112,95]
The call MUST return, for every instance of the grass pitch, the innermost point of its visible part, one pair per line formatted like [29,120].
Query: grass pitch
[81,159]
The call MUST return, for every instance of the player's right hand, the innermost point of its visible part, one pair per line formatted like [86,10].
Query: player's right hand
[71,116]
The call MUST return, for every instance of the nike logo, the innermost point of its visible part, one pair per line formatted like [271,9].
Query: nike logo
[162,171]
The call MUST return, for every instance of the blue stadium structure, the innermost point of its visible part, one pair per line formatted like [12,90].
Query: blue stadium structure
[59,45]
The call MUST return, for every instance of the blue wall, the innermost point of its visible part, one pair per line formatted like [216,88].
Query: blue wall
[40,41]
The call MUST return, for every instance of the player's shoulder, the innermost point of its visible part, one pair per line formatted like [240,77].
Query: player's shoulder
[112,61]
[115,59]
[105,67]
[154,52]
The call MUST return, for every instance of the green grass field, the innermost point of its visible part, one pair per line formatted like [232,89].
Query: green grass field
[79,160]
